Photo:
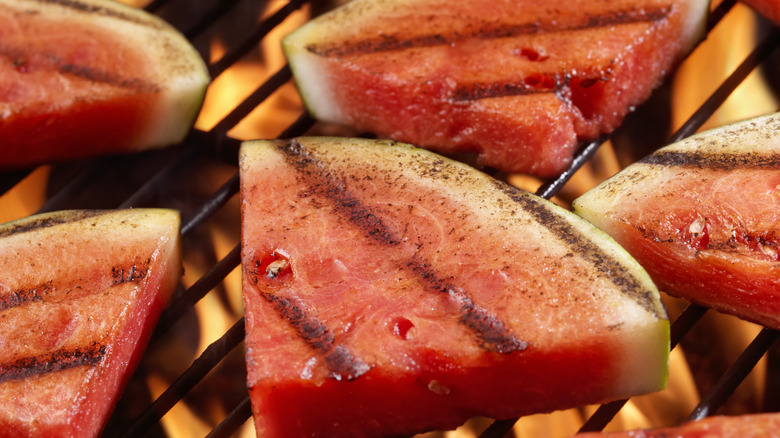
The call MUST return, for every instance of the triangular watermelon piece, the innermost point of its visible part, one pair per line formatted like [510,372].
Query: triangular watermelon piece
[703,217]
[519,82]
[80,292]
[92,77]
[389,291]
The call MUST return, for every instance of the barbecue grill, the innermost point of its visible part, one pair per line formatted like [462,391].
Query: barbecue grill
[200,178]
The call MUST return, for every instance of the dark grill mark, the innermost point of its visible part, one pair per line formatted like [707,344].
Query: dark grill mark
[702,160]
[343,365]
[618,274]
[324,184]
[68,289]
[492,333]
[49,362]
[134,273]
[49,221]
[488,31]
[24,296]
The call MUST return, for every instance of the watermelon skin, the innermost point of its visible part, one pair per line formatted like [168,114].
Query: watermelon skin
[80,292]
[703,217]
[390,291]
[740,426]
[90,78]
[517,83]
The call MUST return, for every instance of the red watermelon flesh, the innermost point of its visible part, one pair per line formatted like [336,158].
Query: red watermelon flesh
[703,217]
[740,426]
[519,83]
[91,77]
[80,292]
[390,291]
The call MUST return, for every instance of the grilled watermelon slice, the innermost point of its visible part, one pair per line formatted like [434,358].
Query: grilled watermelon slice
[389,291]
[517,82]
[81,78]
[79,294]
[703,217]
[739,426]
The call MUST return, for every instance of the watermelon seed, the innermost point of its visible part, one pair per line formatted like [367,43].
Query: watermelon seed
[275,267]
[769,251]
[437,388]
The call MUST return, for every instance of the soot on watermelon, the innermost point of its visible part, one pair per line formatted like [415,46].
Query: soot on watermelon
[81,78]
[738,426]
[80,292]
[519,83]
[389,291]
[703,217]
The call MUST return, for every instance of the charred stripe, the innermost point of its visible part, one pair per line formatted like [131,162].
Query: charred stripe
[702,160]
[489,31]
[491,331]
[48,221]
[62,359]
[343,365]
[130,272]
[612,269]
[24,296]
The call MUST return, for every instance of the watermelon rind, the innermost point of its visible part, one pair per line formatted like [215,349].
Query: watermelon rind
[180,73]
[639,330]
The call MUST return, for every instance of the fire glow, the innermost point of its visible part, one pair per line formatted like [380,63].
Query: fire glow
[692,84]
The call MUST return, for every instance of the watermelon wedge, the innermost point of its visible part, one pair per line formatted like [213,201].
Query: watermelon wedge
[390,291]
[81,78]
[519,83]
[739,426]
[80,292]
[703,217]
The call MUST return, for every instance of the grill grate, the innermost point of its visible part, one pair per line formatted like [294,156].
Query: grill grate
[167,178]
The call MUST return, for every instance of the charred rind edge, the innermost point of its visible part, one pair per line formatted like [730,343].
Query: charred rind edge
[713,161]
[88,8]
[58,360]
[582,245]
[36,223]
[489,329]
[387,43]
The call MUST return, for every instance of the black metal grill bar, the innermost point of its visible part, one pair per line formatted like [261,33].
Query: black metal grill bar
[213,354]
[249,43]
[736,374]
